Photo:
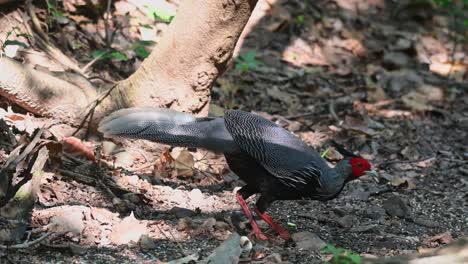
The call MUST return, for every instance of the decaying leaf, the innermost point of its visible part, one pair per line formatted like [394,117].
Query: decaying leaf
[184,164]
[77,147]
[128,230]
[69,221]
[300,53]
[402,182]
[358,125]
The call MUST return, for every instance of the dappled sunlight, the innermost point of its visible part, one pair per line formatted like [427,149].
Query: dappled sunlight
[357,6]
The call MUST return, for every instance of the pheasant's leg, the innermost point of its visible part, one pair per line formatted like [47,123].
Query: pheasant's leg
[262,204]
[283,233]
[255,228]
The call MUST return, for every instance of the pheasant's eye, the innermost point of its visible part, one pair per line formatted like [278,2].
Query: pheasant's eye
[360,165]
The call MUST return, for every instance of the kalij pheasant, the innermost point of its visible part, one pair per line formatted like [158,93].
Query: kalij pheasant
[272,161]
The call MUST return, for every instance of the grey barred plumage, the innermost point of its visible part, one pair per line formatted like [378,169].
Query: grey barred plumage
[271,160]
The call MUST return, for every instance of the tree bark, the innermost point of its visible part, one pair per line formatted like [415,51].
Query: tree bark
[194,51]
[178,74]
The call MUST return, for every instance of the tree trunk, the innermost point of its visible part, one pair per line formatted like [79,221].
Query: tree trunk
[178,74]
[194,51]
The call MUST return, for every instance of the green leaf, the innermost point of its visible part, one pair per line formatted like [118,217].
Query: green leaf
[300,20]
[250,57]
[24,35]
[355,258]
[325,153]
[159,14]
[15,43]
[146,26]
[118,55]
[292,224]
[97,53]
[141,52]
[329,248]
[145,43]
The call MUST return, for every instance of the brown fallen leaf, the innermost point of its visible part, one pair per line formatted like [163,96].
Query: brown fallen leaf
[184,164]
[398,181]
[440,239]
[68,221]
[300,53]
[77,147]
[358,125]
[128,230]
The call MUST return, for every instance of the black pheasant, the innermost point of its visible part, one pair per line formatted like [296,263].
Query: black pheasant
[272,161]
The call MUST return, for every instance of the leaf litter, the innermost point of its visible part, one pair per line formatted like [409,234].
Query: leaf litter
[413,127]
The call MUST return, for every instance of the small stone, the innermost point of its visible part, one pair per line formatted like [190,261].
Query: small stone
[180,212]
[124,159]
[339,211]
[220,225]
[146,243]
[108,147]
[184,224]
[308,241]
[374,212]
[132,197]
[273,258]
[402,44]
[395,206]
[425,222]
[346,221]
[395,59]
[366,229]
[77,249]
[69,221]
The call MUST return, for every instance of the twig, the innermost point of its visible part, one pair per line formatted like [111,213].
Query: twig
[455,45]
[77,176]
[456,160]
[107,189]
[141,168]
[106,24]
[89,64]
[179,246]
[101,78]
[386,163]
[331,108]
[93,108]
[27,244]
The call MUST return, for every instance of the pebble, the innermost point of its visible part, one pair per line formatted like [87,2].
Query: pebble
[374,212]
[124,159]
[308,241]
[273,258]
[395,206]
[146,243]
[180,212]
[346,221]
[396,59]
[108,147]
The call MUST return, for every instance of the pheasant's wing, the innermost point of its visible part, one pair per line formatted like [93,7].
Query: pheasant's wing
[284,155]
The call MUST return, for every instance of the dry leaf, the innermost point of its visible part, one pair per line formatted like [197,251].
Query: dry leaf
[300,53]
[184,164]
[403,181]
[440,239]
[69,221]
[416,101]
[358,125]
[128,230]
[77,147]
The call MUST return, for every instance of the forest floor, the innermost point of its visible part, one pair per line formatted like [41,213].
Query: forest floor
[383,80]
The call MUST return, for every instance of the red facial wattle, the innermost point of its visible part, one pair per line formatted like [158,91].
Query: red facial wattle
[359,166]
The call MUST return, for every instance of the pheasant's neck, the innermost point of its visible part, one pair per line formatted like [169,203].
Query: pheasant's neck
[344,170]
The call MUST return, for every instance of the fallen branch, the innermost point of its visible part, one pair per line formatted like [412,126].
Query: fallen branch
[27,244]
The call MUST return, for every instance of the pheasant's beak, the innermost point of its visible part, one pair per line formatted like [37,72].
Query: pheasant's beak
[372,173]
